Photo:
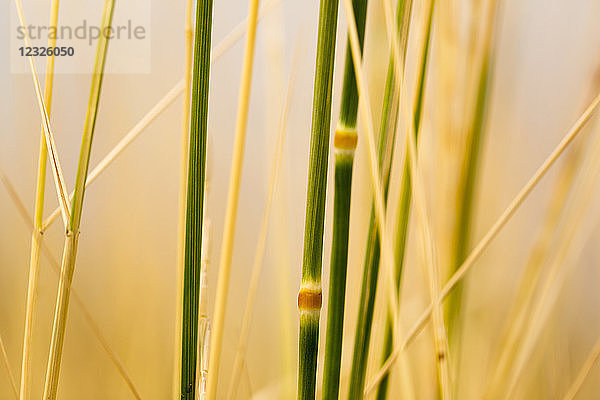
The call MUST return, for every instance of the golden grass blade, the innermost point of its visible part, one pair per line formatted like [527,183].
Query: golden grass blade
[139,128]
[232,203]
[240,29]
[468,175]
[387,259]
[72,231]
[274,30]
[54,162]
[262,237]
[220,49]
[428,248]
[583,372]
[489,236]
[36,236]
[12,193]
[367,119]
[559,270]
[94,326]
[11,377]
[540,314]
[532,273]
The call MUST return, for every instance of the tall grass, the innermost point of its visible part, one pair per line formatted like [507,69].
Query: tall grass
[485,241]
[389,117]
[72,233]
[183,179]
[372,258]
[421,204]
[345,140]
[240,356]
[92,323]
[232,201]
[309,296]
[470,166]
[37,234]
[195,198]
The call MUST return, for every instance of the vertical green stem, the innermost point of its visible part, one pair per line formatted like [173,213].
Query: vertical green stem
[388,127]
[195,198]
[388,340]
[371,267]
[468,176]
[72,234]
[337,285]
[309,296]
[345,141]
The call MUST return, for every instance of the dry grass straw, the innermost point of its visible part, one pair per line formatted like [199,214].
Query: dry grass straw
[37,234]
[583,373]
[387,142]
[387,258]
[232,202]
[72,234]
[89,319]
[240,355]
[429,251]
[11,377]
[221,48]
[129,137]
[489,236]
[516,320]
[280,243]
[48,132]
[560,268]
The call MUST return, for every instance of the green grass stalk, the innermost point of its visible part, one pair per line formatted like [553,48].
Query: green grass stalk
[72,233]
[195,199]
[387,127]
[371,266]
[468,177]
[37,233]
[220,49]
[309,296]
[345,141]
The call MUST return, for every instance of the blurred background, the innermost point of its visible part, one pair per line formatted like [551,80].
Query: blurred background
[545,66]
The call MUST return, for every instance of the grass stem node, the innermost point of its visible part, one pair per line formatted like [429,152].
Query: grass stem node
[309,299]
[345,138]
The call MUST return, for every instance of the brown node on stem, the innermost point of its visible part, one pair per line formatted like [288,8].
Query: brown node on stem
[309,299]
